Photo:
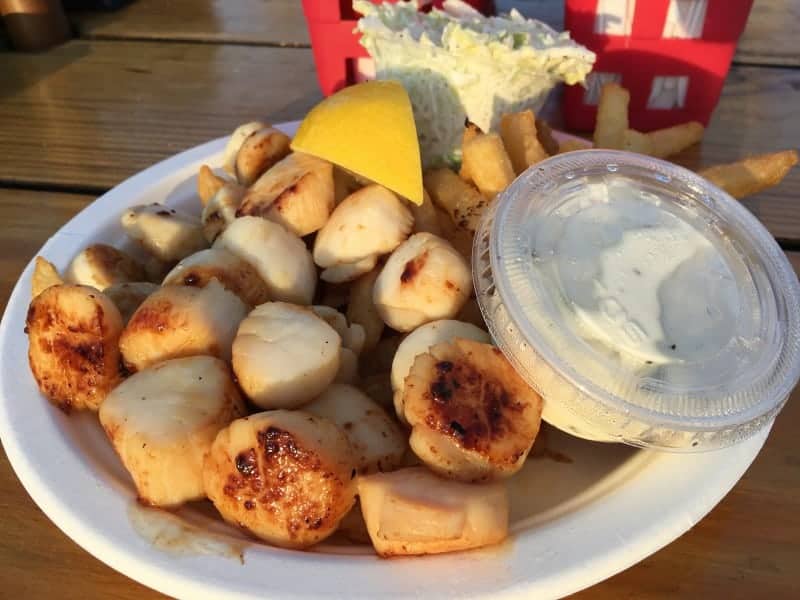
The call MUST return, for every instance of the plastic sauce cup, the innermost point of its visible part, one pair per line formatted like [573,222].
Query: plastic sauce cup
[644,304]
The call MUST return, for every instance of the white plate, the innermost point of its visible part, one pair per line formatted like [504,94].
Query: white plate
[574,524]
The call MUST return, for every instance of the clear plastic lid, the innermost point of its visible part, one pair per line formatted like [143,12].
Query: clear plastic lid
[645,304]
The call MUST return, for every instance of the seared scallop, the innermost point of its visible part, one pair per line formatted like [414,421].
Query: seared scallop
[178,321]
[127,297]
[344,272]
[208,184]
[285,355]
[73,345]
[472,416]
[361,309]
[412,511]
[352,334]
[101,266]
[232,272]
[287,477]
[296,193]
[239,135]
[44,275]
[368,223]
[378,443]
[162,421]
[348,367]
[425,279]
[166,233]
[280,257]
[258,152]
[221,210]
[419,342]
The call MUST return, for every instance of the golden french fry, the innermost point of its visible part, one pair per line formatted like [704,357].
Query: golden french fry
[455,196]
[45,275]
[612,117]
[425,218]
[487,163]
[460,238]
[361,308]
[519,133]
[671,140]
[208,184]
[471,131]
[545,135]
[636,141]
[751,175]
[573,144]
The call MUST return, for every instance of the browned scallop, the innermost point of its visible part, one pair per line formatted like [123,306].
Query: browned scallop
[287,477]
[297,193]
[259,152]
[472,416]
[232,272]
[73,345]
[127,297]
[166,233]
[220,211]
[102,266]
[179,321]
[208,184]
[412,512]
[162,421]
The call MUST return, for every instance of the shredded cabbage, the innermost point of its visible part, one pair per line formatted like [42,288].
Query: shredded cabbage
[457,64]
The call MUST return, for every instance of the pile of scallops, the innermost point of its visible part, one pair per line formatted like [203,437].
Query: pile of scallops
[306,355]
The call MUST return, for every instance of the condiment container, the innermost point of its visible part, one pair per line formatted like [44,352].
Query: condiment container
[646,305]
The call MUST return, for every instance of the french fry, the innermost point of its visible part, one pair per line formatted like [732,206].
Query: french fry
[487,163]
[519,134]
[545,135]
[636,141]
[460,238]
[471,131]
[455,196]
[45,275]
[669,141]
[361,309]
[572,145]
[751,175]
[208,184]
[612,117]
[425,219]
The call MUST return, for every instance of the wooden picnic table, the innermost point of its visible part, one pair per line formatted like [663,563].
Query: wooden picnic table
[155,78]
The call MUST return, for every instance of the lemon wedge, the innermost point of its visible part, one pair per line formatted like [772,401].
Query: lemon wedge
[369,130]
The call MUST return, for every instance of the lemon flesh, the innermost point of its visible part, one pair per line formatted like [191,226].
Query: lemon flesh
[369,130]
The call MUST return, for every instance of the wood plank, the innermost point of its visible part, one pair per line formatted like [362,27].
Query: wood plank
[772,34]
[270,22]
[90,114]
[746,547]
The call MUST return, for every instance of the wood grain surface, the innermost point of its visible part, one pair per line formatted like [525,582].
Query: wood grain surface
[769,39]
[89,114]
[269,22]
